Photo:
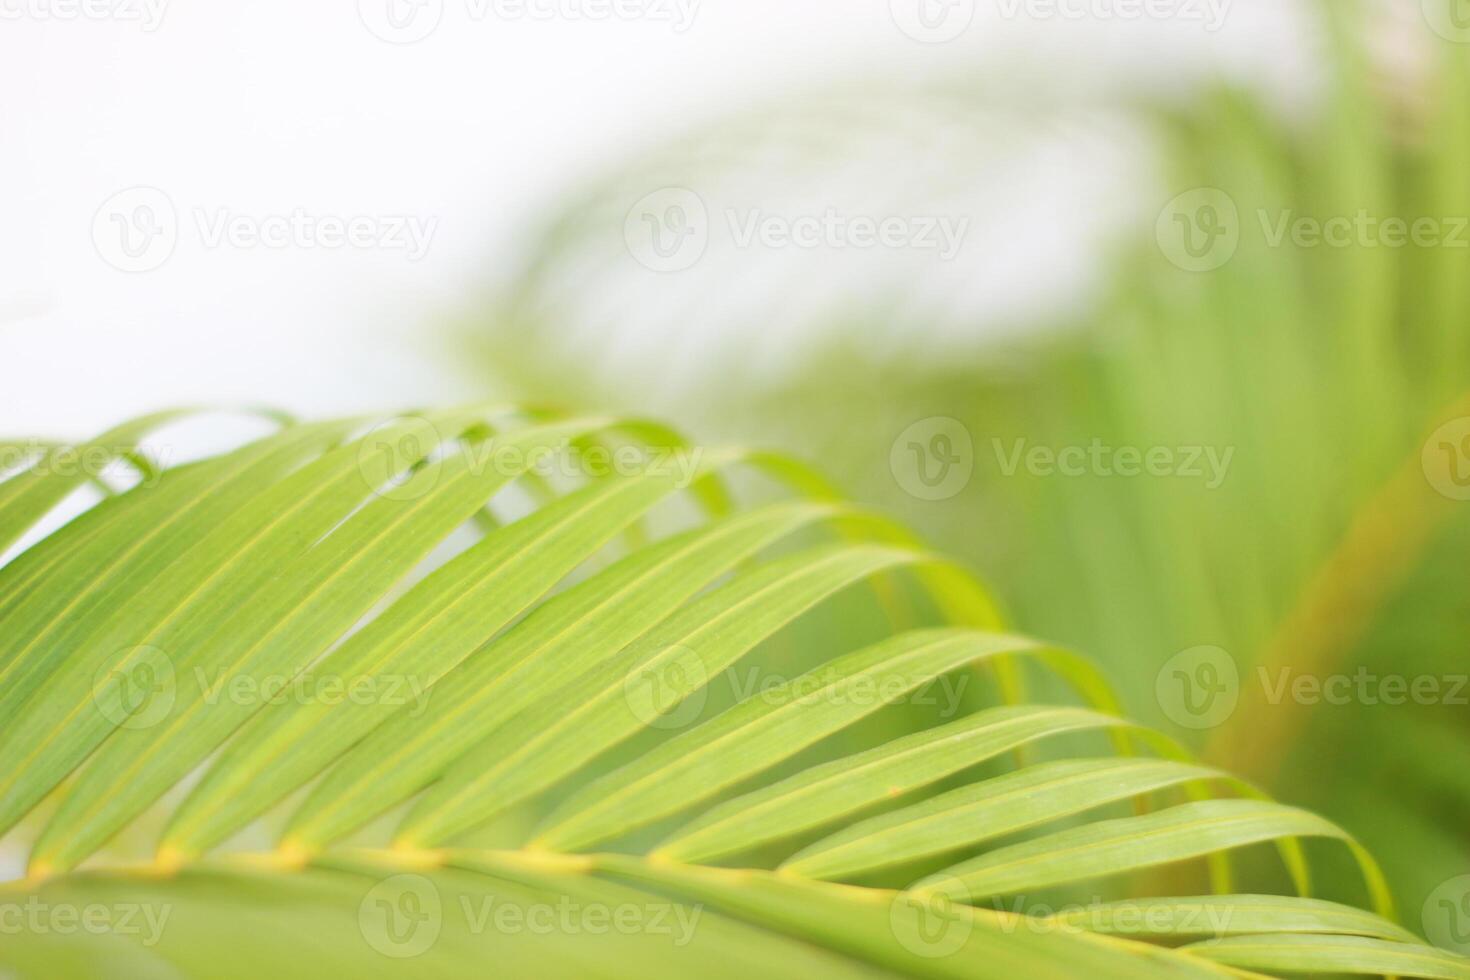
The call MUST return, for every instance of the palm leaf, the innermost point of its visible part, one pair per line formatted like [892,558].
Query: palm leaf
[1321,369]
[202,707]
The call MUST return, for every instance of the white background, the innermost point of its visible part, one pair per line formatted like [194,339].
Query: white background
[271,105]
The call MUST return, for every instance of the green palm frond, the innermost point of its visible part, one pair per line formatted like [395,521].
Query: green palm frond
[411,698]
[1329,378]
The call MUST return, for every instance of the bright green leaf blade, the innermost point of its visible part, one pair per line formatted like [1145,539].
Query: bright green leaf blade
[381,914]
[837,789]
[28,496]
[983,811]
[1129,844]
[639,686]
[762,731]
[1217,916]
[378,915]
[416,641]
[1333,954]
[118,551]
[556,643]
[719,943]
[97,608]
[913,935]
[300,611]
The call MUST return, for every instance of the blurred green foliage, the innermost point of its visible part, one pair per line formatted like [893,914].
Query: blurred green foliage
[1298,334]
